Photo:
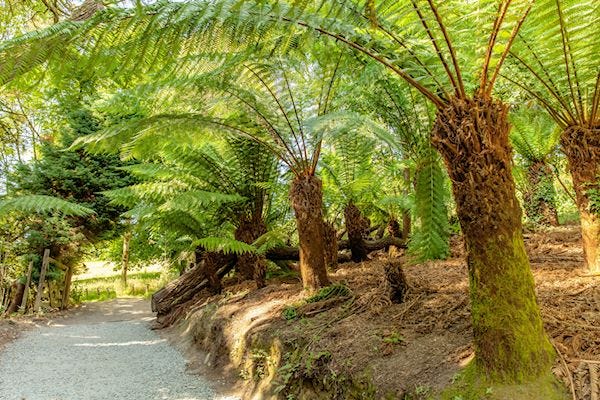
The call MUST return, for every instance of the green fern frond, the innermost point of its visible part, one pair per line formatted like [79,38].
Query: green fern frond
[41,204]
[430,239]
[226,245]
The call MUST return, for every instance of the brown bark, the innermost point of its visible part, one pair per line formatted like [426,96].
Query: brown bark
[582,148]
[125,257]
[307,200]
[67,289]
[293,253]
[510,342]
[212,261]
[393,228]
[356,226]
[331,246]
[398,287]
[540,197]
[251,266]
[17,290]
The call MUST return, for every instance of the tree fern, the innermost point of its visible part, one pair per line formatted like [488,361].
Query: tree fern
[225,245]
[41,204]
[558,49]
[430,239]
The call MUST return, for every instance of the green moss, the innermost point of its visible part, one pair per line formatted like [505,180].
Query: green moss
[471,385]
[510,343]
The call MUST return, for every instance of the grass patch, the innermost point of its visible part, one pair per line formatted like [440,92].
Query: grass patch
[141,284]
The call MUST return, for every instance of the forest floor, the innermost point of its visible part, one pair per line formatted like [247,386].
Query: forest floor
[411,349]
[99,350]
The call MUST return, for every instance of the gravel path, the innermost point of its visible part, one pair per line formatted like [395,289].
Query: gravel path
[100,351]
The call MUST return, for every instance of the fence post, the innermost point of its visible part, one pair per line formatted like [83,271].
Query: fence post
[27,283]
[38,295]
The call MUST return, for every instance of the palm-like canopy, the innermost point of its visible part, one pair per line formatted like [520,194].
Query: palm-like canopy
[436,47]
[194,192]
[534,135]
[558,49]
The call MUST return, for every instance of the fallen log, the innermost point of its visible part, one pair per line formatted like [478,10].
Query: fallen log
[292,253]
[193,281]
[187,286]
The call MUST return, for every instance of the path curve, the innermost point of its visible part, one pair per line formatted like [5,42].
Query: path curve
[100,351]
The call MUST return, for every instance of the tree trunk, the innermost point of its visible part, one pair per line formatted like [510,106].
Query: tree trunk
[396,281]
[307,199]
[582,147]
[540,198]
[67,289]
[16,297]
[293,253]
[125,257]
[356,225]
[251,266]
[510,342]
[212,261]
[393,228]
[331,246]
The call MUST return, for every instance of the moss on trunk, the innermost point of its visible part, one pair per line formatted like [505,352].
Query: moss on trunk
[306,195]
[582,147]
[539,200]
[356,227]
[510,343]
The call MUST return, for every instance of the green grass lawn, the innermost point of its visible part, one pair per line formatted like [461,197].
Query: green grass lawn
[141,284]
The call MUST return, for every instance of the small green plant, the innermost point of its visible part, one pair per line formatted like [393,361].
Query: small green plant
[328,292]
[290,313]
[260,360]
[422,390]
[394,338]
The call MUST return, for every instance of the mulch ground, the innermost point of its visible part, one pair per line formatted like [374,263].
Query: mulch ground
[418,346]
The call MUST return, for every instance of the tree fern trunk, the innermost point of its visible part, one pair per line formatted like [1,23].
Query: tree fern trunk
[307,199]
[331,246]
[510,343]
[213,260]
[356,225]
[582,147]
[251,266]
[540,198]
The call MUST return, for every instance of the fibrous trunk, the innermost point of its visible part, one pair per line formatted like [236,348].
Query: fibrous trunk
[393,228]
[331,246]
[539,199]
[356,226]
[510,343]
[17,290]
[251,266]
[582,147]
[211,262]
[307,200]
